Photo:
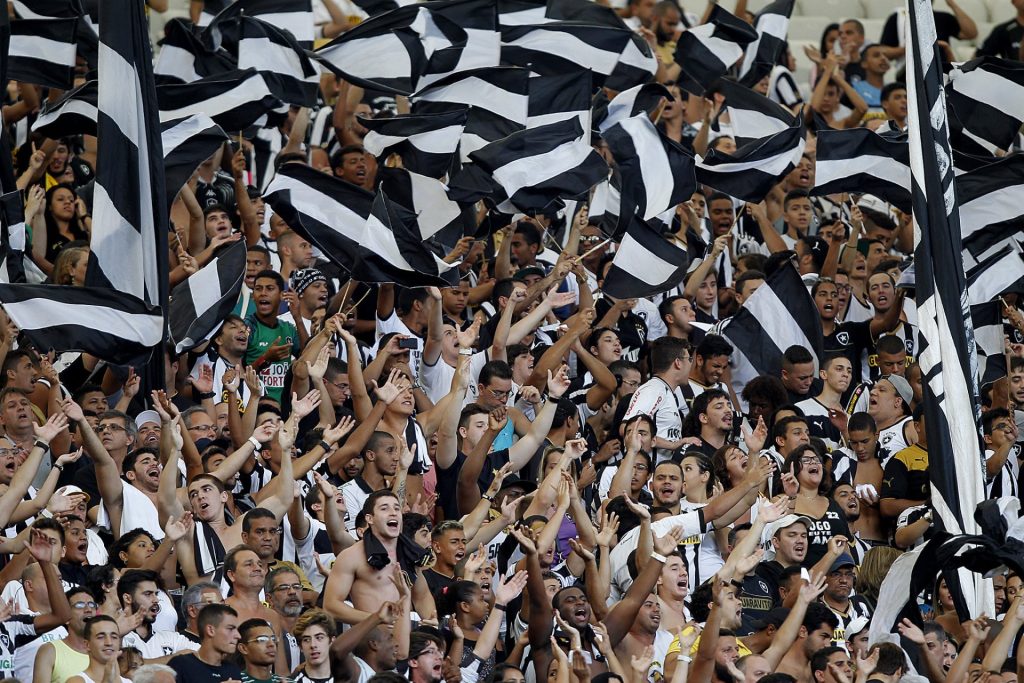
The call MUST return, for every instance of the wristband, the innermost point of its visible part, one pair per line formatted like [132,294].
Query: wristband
[41,444]
[465,352]
[659,557]
[202,396]
[255,444]
[45,382]
[500,608]
[324,445]
[684,658]
[58,467]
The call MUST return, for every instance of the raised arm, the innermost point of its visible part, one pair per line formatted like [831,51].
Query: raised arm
[24,474]
[621,617]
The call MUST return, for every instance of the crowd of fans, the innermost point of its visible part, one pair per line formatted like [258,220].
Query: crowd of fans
[514,478]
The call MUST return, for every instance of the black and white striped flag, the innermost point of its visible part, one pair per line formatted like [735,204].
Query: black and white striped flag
[12,221]
[657,173]
[754,169]
[986,101]
[328,212]
[498,98]
[946,338]
[999,272]
[43,51]
[73,114]
[291,75]
[780,314]
[645,264]
[861,160]
[438,219]
[538,166]
[553,48]
[187,144]
[97,320]
[772,25]
[293,16]
[752,115]
[628,103]
[235,100]
[991,210]
[706,52]
[391,250]
[184,57]
[199,304]
[388,52]
[987,319]
[427,143]
[557,98]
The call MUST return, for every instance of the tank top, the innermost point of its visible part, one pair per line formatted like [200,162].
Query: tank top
[67,662]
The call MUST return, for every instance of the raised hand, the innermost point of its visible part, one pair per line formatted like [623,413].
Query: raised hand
[507,591]
[609,528]
[333,435]
[301,407]
[252,380]
[265,431]
[204,382]
[526,540]
[497,419]
[39,547]
[288,432]
[68,458]
[231,380]
[575,448]
[475,562]
[408,455]
[638,509]
[56,424]
[755,438]
[388,613]
[72,410]
[318,368]
[641,663]
[176,529]
[577,547]
[558,383]
[790,485]
[812,590]
[667,544]
[509,507]
[393,388]
[911,631]
[745,565]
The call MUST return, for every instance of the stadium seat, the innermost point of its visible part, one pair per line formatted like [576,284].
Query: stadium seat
[873,29]
[807,28]
[847,9]
[879,9]
[1000,11]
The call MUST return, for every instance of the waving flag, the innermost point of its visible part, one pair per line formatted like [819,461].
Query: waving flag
[947,347]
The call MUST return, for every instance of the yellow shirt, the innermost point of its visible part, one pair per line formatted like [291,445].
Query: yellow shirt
[674,648]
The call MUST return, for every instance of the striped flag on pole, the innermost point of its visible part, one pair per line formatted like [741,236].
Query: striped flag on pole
[645,264]
[128,245]
[763,54]
[947,346]
[199,304]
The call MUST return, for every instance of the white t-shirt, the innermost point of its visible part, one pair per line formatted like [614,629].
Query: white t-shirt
[355,498]
[692,523]
[437,378]
[656,399]
[220,366]
[160,643]
[25,656]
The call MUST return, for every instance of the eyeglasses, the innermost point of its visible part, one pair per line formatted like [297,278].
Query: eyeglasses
[202,428]
[631,382]
[343,386]
[83,604]
[810,460]
[263,640]
[499,394]
[297,587]
[111,427]
[590,239]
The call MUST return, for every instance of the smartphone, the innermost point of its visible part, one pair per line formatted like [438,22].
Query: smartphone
[408,343]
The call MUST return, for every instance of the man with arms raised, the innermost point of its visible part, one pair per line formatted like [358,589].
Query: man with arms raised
[363,573]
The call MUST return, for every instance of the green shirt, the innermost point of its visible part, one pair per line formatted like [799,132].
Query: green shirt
[261,337]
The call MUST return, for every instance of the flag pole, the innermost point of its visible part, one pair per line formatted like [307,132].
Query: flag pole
[594,248]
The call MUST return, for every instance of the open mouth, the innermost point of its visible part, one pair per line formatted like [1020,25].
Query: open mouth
[392,524]
[829,308]
[580,615]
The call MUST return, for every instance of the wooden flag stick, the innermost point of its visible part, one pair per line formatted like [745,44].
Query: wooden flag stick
[594,248]
[356,304]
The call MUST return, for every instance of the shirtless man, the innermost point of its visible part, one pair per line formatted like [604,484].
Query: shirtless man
[208,498]
[867,472]
[245,572]
[816,632]
[352,578]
